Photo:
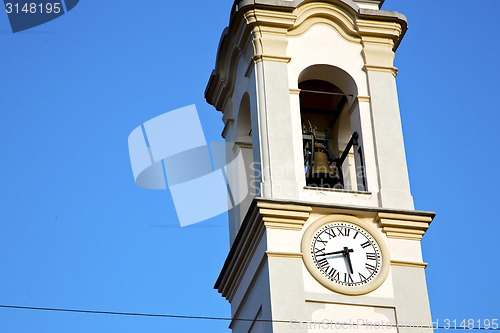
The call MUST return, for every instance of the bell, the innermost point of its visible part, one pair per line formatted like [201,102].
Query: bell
[321,173]
[320,166]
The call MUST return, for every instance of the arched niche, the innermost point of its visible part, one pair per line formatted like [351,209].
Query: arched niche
[241,174]
[331,131]
[244,122]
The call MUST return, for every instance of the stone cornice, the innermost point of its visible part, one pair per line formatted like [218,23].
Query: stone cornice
[370,27]
[372,211]
[403,226]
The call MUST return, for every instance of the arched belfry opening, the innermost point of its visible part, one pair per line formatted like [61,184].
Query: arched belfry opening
[332,153]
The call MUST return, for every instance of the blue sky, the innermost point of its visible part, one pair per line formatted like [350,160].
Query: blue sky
[76,232]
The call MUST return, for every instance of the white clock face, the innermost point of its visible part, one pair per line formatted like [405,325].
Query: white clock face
[346,254]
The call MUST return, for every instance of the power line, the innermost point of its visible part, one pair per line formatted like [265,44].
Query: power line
[136,314]
[291,322]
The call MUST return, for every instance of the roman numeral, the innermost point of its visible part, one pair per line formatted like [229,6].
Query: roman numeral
[319,251]
[361,277]
[371,256]
[330,233]
[370,268]
[322,263]
[356,235]
[321,241]
[348,278]
[344,231]
[365,244]
[330,272]
[336,275]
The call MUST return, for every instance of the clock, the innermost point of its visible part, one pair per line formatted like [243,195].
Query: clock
[345,254]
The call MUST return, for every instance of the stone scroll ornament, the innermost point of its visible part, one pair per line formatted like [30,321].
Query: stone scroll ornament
[171,151]
[26,14]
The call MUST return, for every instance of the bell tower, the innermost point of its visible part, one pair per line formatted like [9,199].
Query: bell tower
[327,231]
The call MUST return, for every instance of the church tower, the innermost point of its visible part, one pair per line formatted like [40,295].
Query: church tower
[325,229]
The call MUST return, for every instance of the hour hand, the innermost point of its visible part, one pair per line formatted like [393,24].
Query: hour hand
[348,257]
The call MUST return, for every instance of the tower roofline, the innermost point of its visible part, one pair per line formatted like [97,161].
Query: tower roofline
[294,3]
[240,7]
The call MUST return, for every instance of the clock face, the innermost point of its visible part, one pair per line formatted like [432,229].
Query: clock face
[346,254]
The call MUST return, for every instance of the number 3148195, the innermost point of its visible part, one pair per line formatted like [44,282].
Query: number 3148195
[471,324]
[33,8]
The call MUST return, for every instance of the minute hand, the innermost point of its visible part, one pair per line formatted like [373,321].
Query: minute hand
[336,252]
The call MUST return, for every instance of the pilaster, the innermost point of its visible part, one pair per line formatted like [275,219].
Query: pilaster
[405,233]
[379,39]
[275,123]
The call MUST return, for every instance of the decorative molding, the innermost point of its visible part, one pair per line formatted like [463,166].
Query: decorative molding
[412,264]
[284,217]
[262,57]
[408,217]
[399,233]
[402,226]
[373,30]
[282,224]
[371,68]
[269,17]
[346,33]
[272,254]
[340,18]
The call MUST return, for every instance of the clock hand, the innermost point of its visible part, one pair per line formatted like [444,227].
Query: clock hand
[336,252]
[331,253]
[346,254]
